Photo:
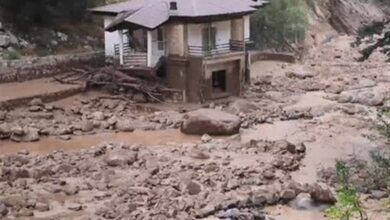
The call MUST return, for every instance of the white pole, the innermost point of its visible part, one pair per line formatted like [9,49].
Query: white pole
[149,48]
[120,32]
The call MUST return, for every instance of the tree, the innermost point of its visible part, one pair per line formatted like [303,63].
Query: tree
[280,25]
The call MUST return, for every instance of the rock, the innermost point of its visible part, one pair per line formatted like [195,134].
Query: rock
[301,148]
[36,102]
[121,158]
[301,74]
[17,130]
[269,174]
[35,108]
[140,98]
[3,209]
[302,202]
[365,83]
[285,145]
[321,194]
[378,194]
[42,207]
[31,135]
[241,106]
[370,98]
[334,88]
[15,201]
[5,131]
[5,41]
[74,207]
[193,188]
[87,126]
[287,195]
[125,125]
[71,189]
[212,122]
[3,115]
[98,116]
[206,138]
[25,213]
[198,154]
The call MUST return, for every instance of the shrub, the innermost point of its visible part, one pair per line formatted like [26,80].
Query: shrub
[281,24]
[12,55]
[348,200]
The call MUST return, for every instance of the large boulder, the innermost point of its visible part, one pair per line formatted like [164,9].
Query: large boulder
[212,122]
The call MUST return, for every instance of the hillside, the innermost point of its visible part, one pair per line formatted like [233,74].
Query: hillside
[62,33]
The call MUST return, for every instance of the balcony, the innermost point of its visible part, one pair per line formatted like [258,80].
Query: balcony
[219,49]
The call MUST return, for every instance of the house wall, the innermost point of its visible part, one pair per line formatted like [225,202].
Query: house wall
[195,34]
[237,26]
[223,31]
[111,38]
[234,65]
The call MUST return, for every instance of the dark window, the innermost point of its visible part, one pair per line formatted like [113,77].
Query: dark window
[173,6]
[219,81]
[209,38]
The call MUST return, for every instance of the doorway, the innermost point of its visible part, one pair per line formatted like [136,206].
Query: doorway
[219,81]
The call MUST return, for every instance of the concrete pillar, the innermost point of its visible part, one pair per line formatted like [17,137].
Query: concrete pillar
[149,48]
[121,53]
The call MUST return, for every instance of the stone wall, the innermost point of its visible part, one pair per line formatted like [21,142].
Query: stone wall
[38,67]
[284,57]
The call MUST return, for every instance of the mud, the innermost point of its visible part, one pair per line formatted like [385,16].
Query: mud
[50,144]
[296,120]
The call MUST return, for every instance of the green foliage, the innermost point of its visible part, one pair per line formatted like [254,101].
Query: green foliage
[281,24]
[12,55]
[348,204]
[27,13]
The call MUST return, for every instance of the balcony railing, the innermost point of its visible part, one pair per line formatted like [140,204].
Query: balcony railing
[131,57]
[219,49]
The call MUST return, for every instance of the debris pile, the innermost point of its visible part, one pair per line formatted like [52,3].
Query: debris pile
[141,90]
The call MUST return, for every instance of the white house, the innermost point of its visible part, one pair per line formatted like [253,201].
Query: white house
[201,44]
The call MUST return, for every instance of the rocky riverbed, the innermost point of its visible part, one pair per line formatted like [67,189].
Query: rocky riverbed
[111,158]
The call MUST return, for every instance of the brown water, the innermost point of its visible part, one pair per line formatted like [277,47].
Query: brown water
[50,144]
[16,90]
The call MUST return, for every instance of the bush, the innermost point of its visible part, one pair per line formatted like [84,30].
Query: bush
[348,201]
[281,24]
[12,55]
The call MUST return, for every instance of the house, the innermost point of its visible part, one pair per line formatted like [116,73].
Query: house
[197,46]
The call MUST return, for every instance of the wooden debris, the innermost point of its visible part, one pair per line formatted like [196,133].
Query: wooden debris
[112,77]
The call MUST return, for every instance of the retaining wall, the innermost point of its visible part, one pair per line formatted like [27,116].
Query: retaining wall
[38,67]
[284,57]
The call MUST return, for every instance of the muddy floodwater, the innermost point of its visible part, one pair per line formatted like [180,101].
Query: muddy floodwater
[50,144]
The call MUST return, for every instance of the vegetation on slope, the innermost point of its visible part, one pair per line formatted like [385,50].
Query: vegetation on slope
[281,25]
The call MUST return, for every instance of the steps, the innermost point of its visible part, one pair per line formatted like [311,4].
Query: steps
[135,59]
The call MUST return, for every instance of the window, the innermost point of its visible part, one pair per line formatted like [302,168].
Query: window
[219,81]
[209,38]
